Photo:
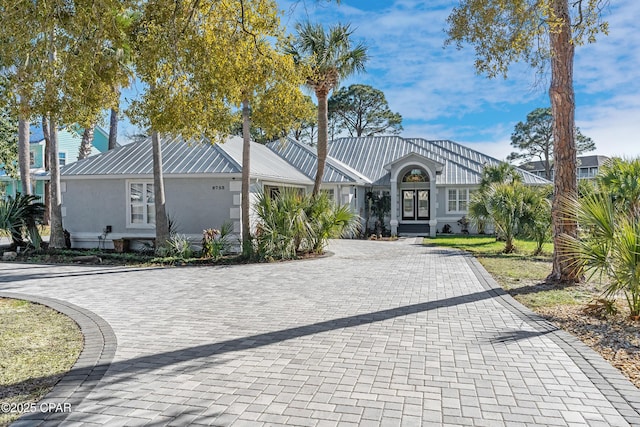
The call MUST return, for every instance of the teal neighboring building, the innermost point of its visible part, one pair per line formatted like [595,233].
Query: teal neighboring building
[68,146]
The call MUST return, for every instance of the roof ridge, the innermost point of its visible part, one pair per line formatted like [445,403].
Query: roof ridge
[433,141]
[218,147]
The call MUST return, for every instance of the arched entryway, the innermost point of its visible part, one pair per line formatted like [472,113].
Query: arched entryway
[414,195]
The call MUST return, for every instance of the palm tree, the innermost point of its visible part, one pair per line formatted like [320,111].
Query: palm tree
[491,174]
[502,172]
[621,179]
[506,207]
[536,221]
[331,58]
[609,244]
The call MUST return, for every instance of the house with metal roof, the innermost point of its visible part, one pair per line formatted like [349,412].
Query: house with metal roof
[110,196]
[69,141]
[428,184]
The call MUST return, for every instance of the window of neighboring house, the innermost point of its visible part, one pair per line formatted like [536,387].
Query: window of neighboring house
[62,159]
[32,158]
[141,204]
[457,200]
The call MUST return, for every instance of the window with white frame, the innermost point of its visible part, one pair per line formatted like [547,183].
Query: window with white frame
[458,200]
[141,204]
[62,159]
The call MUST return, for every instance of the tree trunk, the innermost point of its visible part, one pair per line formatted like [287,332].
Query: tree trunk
[87,142]
[323,135]
[56,238]
[113,123]
[162,221]
[47,187]
[24,158]
[246,176]
[563,109]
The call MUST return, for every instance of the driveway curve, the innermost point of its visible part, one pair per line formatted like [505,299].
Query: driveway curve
[381,333]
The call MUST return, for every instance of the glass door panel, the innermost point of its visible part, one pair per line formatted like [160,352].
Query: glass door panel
[408,204]
[423,204]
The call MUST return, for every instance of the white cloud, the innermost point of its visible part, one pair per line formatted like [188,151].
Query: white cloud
[440,96]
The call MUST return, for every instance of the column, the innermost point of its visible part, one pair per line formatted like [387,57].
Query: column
[394,207]
[433,197]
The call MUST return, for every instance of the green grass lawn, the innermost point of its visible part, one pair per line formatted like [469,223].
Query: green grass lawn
[38,346]
[488,245]
[520,273]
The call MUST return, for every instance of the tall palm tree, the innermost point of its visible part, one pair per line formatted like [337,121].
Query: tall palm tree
[502,172]
[331,58]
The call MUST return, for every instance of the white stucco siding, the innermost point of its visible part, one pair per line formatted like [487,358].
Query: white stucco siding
[450,217]
[91,205]
[194,204]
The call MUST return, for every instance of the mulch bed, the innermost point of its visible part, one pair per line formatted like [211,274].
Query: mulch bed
[615,337]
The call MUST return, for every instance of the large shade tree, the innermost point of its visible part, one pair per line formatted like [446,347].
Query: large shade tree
[14,87]
[204,62]
[331,56]
[362,110]
[52,56]
[306,125]
[536,32]
[534,140]
[8,142]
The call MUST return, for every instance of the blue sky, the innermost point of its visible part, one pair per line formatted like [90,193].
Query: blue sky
[440,96]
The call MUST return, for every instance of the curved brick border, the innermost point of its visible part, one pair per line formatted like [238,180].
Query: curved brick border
[94,360]
[623,395]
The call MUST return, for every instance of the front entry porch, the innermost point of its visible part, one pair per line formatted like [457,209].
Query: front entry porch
[413,195]
[407,230]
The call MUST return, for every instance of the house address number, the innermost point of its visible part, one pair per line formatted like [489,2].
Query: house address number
[218,187]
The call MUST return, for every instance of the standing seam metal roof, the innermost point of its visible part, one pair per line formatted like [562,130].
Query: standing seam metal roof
[181,157]
[178,157]
[350,160]
[462,166]
[305,160]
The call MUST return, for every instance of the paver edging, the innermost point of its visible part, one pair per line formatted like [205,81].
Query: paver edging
[98,351]
[623,395]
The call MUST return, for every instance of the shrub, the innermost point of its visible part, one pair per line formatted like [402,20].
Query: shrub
[283,225]
[293,222]
[609,244]
[21,215]
[178,245]
[215,243]
[328,220]
[536,219]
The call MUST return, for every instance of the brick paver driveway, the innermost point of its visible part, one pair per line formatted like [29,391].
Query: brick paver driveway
[381,333]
